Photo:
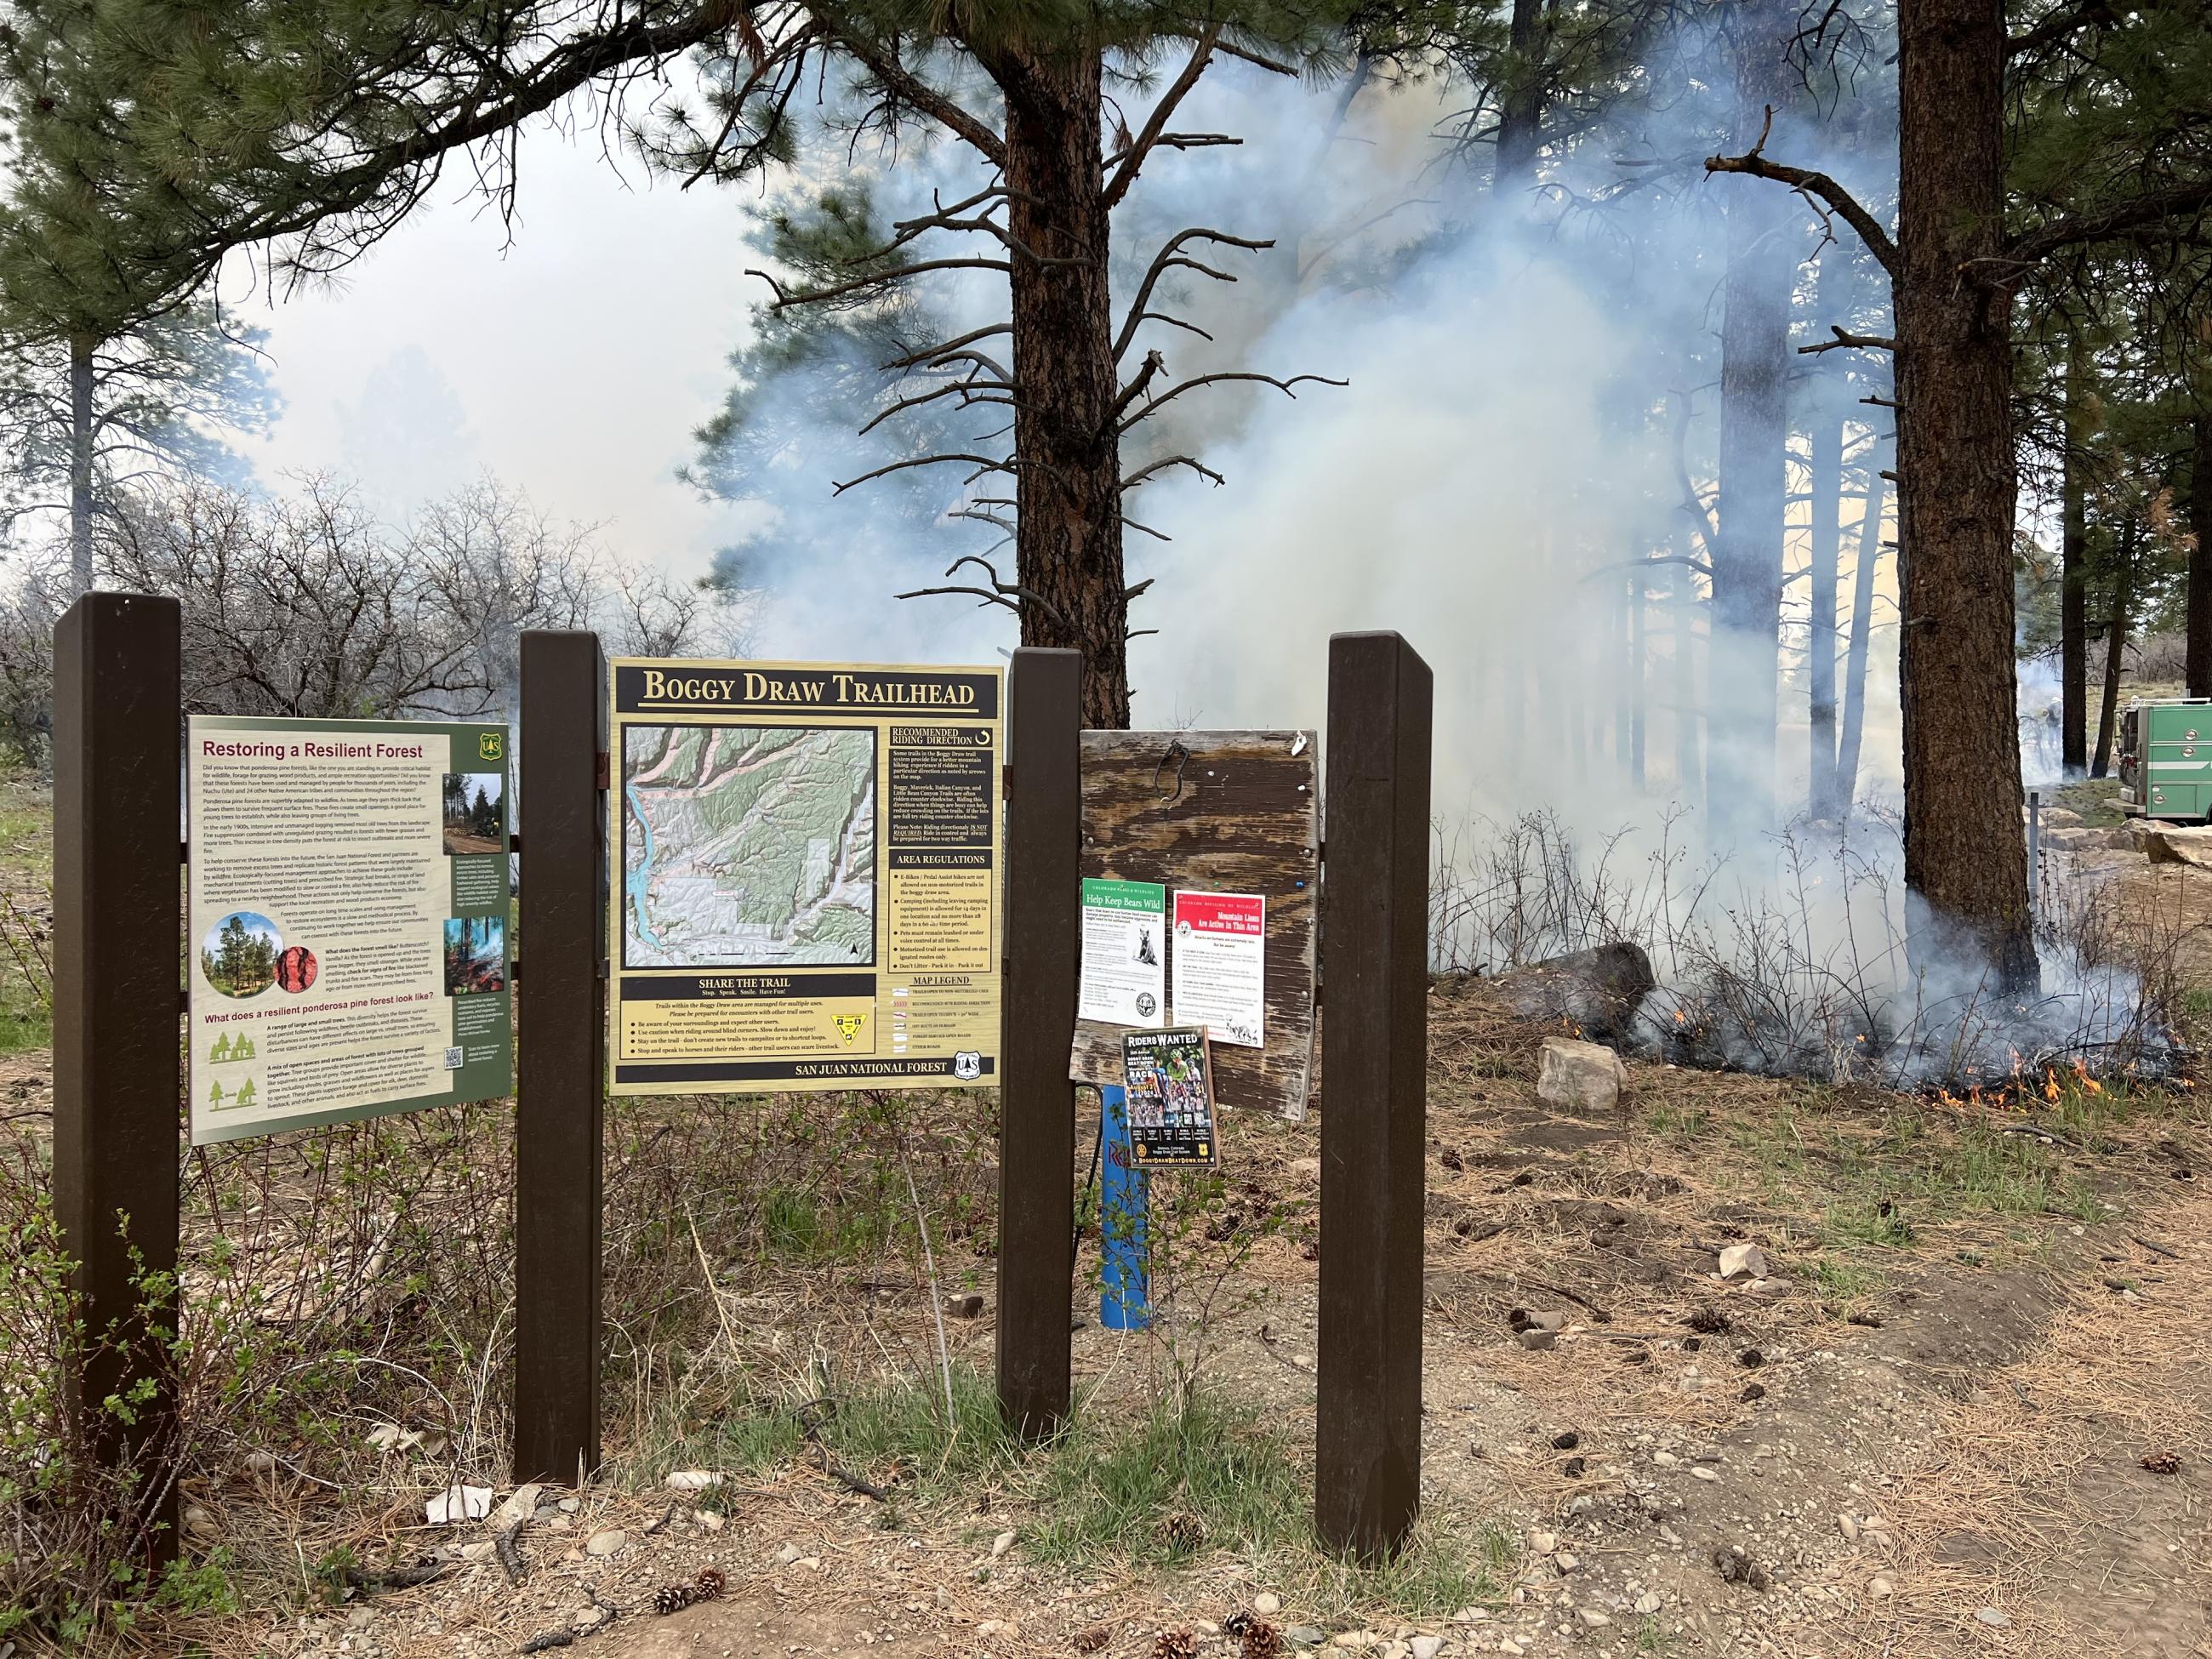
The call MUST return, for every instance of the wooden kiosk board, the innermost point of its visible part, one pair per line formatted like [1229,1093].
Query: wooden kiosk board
[807,860]
[1216,812]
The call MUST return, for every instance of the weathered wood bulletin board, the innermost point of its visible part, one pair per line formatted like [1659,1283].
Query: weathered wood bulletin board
[1216,812]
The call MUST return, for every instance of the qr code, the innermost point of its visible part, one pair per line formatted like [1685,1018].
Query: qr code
[453,1058]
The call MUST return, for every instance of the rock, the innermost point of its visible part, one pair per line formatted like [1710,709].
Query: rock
[1649,1603]
[710,1521]
[260,1462]
[1582,1076]
[521,1504]
[1665,1459]
[1743,1259]
[2174,843]
[2058,817]
[458,1503]
[1993,1617]
[1470,1615]
[607,1542]
[1427,1647]
[483,1550]
[1566,1561]
[1266,1604]
[1537,1338]
[1549,1320]
[361,1618]
[1704,1474]
[788,1554]
[1306,1166]
[693,1481]
[1303,1636]
[1598,990]
[1879,1587]
[1595,1620]
[969,1306]
[1001,1544]
[1849,1528]
[1543,1542]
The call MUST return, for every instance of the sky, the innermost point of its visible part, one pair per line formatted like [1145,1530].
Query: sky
[572,363]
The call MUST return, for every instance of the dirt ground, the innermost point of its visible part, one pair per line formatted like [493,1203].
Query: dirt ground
[1966,1410]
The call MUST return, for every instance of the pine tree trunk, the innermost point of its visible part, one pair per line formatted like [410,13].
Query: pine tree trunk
[1868,561]
[2200,559]
[2116,647]
[1963,859]
[83,435]
[1637,647]
[1824,433]
[1521,114]
[1689,752]
[1745,652]
[2073,569]
[1068,483]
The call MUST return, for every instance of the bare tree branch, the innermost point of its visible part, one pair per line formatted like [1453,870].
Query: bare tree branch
[896,79]
[982,463]
[1845,341]
[1182,386]
[1169,257]
[785,298]
[1202,53]
[1817,186]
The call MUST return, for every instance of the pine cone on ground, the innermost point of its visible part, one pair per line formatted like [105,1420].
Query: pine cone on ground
[1182,1531]
[2162,1463]
[1090,1641]
[673,1598]
[1261,1640]
[1175,1644]
[709,1584]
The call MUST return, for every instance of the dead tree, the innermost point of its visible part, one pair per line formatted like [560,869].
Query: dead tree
[1064,380]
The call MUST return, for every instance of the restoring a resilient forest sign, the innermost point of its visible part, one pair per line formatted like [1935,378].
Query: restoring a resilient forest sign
[348,910]
[807,887]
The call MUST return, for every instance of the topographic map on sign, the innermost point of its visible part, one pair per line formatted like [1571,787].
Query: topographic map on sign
[748,845]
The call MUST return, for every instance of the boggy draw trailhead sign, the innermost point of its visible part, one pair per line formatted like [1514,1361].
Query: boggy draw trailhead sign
[348,907]
[807,888]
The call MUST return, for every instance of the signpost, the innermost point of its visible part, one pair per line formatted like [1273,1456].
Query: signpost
[808,861]
[346,932]
[801,877]
[1225,828]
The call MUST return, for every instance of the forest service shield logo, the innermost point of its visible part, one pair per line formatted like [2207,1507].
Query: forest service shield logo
[490,745]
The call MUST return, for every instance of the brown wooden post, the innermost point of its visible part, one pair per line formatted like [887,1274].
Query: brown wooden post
[118,1084]
[1037,1101]
[560,1064]
[1373,957]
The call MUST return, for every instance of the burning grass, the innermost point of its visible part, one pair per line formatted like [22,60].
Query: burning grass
[1796,963]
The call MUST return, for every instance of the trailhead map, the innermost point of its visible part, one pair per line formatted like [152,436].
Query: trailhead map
[748,845]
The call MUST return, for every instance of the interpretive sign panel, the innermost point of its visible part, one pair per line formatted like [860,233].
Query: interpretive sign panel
[349,911]
[1227,825]
[808,887]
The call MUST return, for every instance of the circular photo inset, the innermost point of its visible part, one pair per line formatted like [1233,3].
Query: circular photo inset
[238,955]
[295,969]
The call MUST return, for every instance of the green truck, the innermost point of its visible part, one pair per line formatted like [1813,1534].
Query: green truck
[2166,758]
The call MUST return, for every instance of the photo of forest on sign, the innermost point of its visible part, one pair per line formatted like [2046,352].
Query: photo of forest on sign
[238,955]
[475,955]
[472,812]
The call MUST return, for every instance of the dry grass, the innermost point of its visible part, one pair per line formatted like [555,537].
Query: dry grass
[2032,1499]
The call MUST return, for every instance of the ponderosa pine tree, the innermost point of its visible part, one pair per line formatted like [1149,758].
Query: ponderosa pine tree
[99,387]
[1982,211]
[319,124]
